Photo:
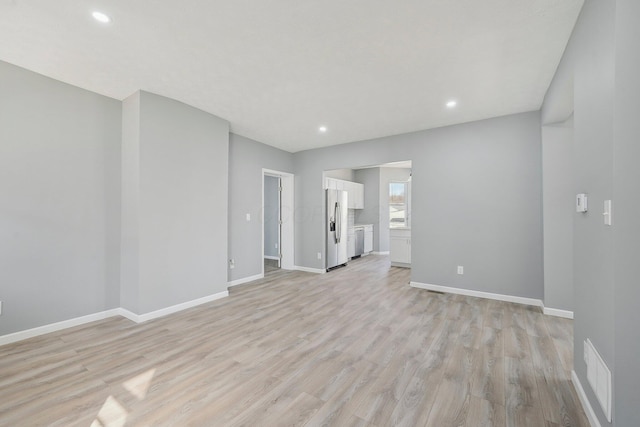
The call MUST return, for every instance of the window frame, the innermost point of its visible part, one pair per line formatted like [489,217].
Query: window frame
[406,205]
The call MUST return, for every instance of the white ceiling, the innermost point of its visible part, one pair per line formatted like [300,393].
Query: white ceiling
[279,69]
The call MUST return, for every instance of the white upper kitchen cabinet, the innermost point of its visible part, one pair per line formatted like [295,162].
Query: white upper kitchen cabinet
[355,191]
[358,195]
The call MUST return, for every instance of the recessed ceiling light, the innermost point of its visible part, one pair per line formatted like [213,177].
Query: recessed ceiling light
[101,17]
[451,104]
[322,129]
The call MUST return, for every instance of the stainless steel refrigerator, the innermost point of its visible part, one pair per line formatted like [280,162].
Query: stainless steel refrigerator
[336,226]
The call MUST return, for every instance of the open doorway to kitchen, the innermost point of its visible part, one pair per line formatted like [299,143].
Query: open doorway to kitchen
[277,221]
[379,210]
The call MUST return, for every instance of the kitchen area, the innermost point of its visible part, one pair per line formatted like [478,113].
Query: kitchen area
[345,239]
[373,218]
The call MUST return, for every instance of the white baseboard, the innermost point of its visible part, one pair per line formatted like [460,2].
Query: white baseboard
[310,270]
[58,326]
[128,314]
[508,298]
[179,307]
[137,318]
[245,280]
[381,253]
[557,312]
[271,257]
[401,264]
[586,405]
[479,294]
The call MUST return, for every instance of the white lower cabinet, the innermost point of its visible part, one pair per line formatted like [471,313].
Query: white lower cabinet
[368,238]
[400,247]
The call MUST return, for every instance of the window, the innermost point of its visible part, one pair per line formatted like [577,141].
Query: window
[398,204]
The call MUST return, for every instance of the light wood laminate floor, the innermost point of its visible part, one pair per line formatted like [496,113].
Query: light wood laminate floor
[355,347]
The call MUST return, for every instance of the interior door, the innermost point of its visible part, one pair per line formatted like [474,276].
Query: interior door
[272,220]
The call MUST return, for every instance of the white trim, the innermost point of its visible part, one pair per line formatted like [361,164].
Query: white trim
[286,243]
[128,314]
[137,318]
[479,294]
[287,231]
[509,298]
[58,326]
[245,280]
[586,405]
[381,253]
[557,312]
[309,270]
[179,307]
[271,257]
[401,264]
[273,172]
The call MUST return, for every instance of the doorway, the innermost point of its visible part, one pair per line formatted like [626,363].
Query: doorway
[271,223]
[277,221]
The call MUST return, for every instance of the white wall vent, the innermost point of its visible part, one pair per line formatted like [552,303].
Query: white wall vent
[599,377]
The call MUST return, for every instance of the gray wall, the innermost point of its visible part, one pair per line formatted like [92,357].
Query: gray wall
[182,202]
[370,178]
[593,131]
[604,59]
[59,209]
[590,58]
[626,227]
[130,206]
[271,215]
[476,201]
[558,212]
[246,160]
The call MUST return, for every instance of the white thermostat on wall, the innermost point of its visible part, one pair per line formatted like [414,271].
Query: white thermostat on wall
[581,202]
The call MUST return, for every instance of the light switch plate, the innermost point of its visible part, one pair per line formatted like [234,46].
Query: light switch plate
[607,214]
[581,202]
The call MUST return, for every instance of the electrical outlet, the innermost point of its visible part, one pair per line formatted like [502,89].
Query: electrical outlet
[319,255]
[460,269]
[232,264]
[276,245]
[248,217]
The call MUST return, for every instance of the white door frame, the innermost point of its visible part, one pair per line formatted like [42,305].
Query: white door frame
[287,240]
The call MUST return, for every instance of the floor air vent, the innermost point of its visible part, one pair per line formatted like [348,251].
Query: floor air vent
[599,377]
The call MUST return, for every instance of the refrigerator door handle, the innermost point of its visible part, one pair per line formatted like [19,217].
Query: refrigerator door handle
[336,219]
[338,222]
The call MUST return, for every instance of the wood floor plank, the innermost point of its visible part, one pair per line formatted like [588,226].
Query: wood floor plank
[520,384]
[484,413]
[416,403]
[488,374]
[557,400]
[297,413]
[355,347]
[451,404]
